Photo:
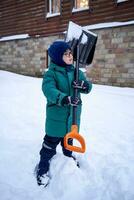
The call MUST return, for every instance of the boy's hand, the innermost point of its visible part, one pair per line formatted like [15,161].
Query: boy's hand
[70,100]
[80,85]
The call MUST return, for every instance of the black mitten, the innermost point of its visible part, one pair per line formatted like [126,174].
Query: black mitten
[70,100]
[83,85]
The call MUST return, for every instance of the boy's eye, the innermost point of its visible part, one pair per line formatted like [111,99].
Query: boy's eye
[68,54]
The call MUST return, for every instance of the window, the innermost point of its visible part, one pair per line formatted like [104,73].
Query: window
[53,8]
[81,4]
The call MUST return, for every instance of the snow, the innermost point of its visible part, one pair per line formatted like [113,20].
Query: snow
[100,26]
[107,124]
[14,37]
[75,31]
[120,1]
[108,25]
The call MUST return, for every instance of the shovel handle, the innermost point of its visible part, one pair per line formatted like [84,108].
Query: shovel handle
[74,135]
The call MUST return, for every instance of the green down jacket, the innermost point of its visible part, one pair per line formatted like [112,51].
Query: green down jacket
[57,83]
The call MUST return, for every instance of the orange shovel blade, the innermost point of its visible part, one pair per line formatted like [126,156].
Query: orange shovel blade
[74,135]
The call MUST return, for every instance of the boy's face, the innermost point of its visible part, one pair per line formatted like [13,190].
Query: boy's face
[68,57]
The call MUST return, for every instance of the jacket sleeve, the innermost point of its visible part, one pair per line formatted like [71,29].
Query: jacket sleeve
[50,90]
[83,78]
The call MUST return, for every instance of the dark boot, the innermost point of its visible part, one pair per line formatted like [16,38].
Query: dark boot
[68,153]
[47,152]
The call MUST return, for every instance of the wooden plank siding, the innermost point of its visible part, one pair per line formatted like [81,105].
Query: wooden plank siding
[29,16]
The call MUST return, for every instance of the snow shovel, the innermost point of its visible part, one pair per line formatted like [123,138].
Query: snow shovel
[83,44]
[74,128]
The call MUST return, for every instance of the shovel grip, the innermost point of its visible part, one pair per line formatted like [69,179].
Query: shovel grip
[74,135]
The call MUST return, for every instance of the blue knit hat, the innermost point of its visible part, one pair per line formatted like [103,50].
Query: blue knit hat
[56,51]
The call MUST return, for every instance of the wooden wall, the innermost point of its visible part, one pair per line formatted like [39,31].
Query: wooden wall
[29,16]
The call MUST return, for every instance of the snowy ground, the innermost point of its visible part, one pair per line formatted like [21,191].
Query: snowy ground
[107,167]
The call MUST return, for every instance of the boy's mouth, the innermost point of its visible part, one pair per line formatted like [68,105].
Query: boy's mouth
[71,60]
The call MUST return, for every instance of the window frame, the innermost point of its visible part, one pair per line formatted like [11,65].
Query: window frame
[49,10]
[79,9]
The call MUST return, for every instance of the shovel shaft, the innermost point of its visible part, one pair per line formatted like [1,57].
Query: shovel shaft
[76,77]
[74,129]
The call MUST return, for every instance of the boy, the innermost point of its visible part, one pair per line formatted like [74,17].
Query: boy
[58,85]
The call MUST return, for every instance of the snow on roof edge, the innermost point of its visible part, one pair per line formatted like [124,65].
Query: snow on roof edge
[88,27]
[108,25]
[14,37]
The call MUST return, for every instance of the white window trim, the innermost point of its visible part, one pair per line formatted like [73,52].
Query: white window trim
[79,9]
[120,1]
[52,15]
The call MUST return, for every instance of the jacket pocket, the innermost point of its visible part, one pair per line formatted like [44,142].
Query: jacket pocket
[57,113]
[51,105]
